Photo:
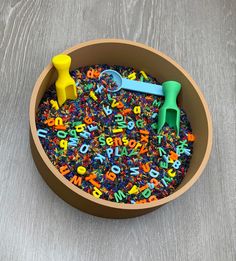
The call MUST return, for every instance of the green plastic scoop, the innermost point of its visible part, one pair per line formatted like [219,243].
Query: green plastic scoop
[169,112]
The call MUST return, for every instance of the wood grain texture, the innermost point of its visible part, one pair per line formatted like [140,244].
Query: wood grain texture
[37,225]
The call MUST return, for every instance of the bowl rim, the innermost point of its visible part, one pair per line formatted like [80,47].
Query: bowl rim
[86,195]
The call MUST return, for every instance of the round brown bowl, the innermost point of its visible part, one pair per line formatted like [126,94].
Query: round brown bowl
[157,64]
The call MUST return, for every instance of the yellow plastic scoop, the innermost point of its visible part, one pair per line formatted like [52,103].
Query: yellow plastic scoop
[65,84]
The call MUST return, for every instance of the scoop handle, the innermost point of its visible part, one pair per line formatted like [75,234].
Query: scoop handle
[171,90]
[145,87]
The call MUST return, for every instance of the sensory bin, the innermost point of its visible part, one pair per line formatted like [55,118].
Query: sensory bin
[107,144]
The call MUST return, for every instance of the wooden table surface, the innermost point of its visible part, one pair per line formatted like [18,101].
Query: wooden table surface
[35,224]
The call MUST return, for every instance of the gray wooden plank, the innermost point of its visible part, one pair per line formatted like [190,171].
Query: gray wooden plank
[37,225]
